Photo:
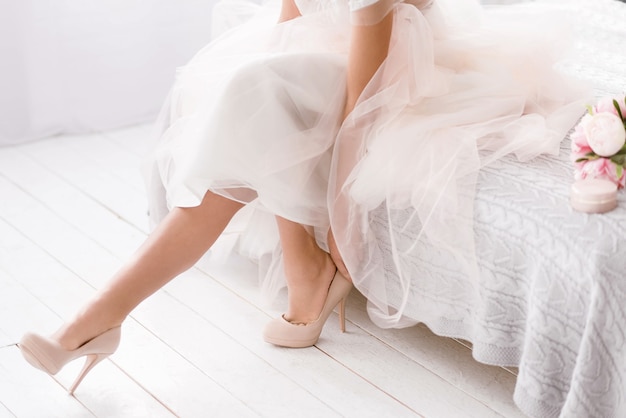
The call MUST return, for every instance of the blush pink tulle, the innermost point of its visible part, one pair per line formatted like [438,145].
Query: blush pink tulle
[256,116]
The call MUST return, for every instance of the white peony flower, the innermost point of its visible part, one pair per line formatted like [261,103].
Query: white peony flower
[605,133]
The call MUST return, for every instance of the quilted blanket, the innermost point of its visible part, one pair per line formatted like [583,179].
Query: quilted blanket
[552,297]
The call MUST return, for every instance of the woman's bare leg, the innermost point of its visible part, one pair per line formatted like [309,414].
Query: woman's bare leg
[369,46]
[308,268]
[173,247]
[309,271]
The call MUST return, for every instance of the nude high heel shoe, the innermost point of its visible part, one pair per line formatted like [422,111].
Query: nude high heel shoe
[286,334]
[47,355]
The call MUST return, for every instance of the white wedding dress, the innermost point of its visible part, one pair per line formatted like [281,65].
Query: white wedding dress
[257,116]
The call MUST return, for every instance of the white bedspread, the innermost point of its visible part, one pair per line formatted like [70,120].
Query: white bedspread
[553,281]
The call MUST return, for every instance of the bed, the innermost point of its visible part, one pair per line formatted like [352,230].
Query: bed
[552,287]
[552,291]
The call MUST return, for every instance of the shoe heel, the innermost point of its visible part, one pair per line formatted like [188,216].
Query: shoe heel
[342,315]
[90,362]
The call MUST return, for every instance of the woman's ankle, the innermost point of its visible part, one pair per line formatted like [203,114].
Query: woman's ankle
[81,329]
[307,292]
[307,270]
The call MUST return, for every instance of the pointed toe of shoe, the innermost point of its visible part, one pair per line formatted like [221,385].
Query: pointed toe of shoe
[49,356]
[34,348]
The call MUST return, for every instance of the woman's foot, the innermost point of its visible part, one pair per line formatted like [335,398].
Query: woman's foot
[73,335]
[94,333]
[102,313]
[308,288]
[284,333]
[49,356]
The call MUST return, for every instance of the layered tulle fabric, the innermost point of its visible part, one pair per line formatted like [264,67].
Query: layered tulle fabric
[257,116]
[370,12]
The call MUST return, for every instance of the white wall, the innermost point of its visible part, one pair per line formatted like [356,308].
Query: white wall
[88,65]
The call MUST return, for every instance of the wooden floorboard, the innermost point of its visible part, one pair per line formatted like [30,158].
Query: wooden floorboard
[74,208]
[451,361]
[374,361]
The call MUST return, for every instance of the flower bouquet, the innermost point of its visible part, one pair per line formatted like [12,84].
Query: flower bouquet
[598,142]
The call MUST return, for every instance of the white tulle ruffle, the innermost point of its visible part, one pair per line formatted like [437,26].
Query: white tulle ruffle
[256,116]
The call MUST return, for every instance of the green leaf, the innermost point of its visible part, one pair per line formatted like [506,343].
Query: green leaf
[619,159]
[619,110]
[619,170]
[580,160]
[590,109]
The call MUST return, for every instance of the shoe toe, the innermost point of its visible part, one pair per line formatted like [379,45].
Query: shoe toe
[283,333]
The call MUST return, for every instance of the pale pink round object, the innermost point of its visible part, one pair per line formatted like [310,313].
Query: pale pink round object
[593,196]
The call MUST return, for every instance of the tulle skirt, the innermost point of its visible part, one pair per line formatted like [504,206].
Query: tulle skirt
[257,116]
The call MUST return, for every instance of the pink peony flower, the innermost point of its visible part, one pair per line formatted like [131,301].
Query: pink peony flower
[601,168]
[606,105]
[580,146]
[597,142]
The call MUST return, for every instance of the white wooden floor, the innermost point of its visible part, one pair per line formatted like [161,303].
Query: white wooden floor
[73,207]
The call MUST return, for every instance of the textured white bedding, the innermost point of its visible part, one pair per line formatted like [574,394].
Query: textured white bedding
[552,295]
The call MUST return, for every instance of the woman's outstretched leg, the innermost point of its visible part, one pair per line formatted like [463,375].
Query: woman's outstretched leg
[173,247]
[309,271]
